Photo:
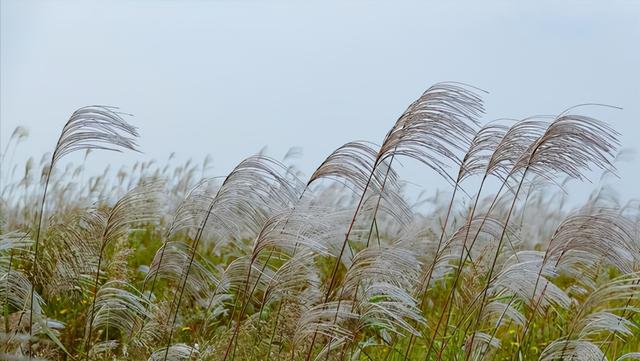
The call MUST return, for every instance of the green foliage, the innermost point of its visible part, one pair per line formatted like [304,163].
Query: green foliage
[152,263]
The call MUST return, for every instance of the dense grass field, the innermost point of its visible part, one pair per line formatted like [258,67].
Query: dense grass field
[159,262]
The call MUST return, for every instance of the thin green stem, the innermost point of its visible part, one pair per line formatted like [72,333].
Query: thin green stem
[373,222]
[458,271]
[93,303]
[424,286]
[336,266]
[494,262]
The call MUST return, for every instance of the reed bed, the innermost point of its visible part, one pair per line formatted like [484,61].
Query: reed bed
[163,262]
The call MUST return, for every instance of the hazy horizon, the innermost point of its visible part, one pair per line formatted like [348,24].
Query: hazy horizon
[228,78]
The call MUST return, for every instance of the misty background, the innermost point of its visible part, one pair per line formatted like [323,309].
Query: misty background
[227,78]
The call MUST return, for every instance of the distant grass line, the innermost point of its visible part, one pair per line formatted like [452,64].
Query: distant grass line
[159,262]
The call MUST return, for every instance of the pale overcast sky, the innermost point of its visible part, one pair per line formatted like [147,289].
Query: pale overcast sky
[227,77]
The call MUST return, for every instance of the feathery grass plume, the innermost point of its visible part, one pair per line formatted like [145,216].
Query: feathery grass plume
[487,229]
[177,352]
[254,189]
[354,165]
[320,319]
[377,284]
[245,263]
[67,264]
[138,205]
[237,280]
[596,315]
[504,312]
[351,163]
[386,308]
[168,264]
[520,278]
[275,236]
[592,237]
[484,343]
[434,126]
[474,162]
[190,209]
[602,234]
[16,289]
[15,286]
[570,145]
[414,119]
[392,264]
[118,307]
[629,356]
[285,233]
[150,332]
[295,285]
[188,214]
[307,228]
[95,127]
[14,246]
[483,150]
[505,147]
[572,350]
[515,142]
[508,151]
[91,127]
[597,234]
[295,275]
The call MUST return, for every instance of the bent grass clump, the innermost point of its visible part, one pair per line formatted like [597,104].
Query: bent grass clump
[158,262]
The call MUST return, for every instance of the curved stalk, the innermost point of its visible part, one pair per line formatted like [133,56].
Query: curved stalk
[273,333]
[184,281]
[461,265]
[458,272]
[34,268]
[373,222]
[539,300]
[246,301]
[494,262]
[93,303]
[249,295]
[614,333]
[425,285]
[334,273]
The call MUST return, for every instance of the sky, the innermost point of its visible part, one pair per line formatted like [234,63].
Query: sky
[227,78]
